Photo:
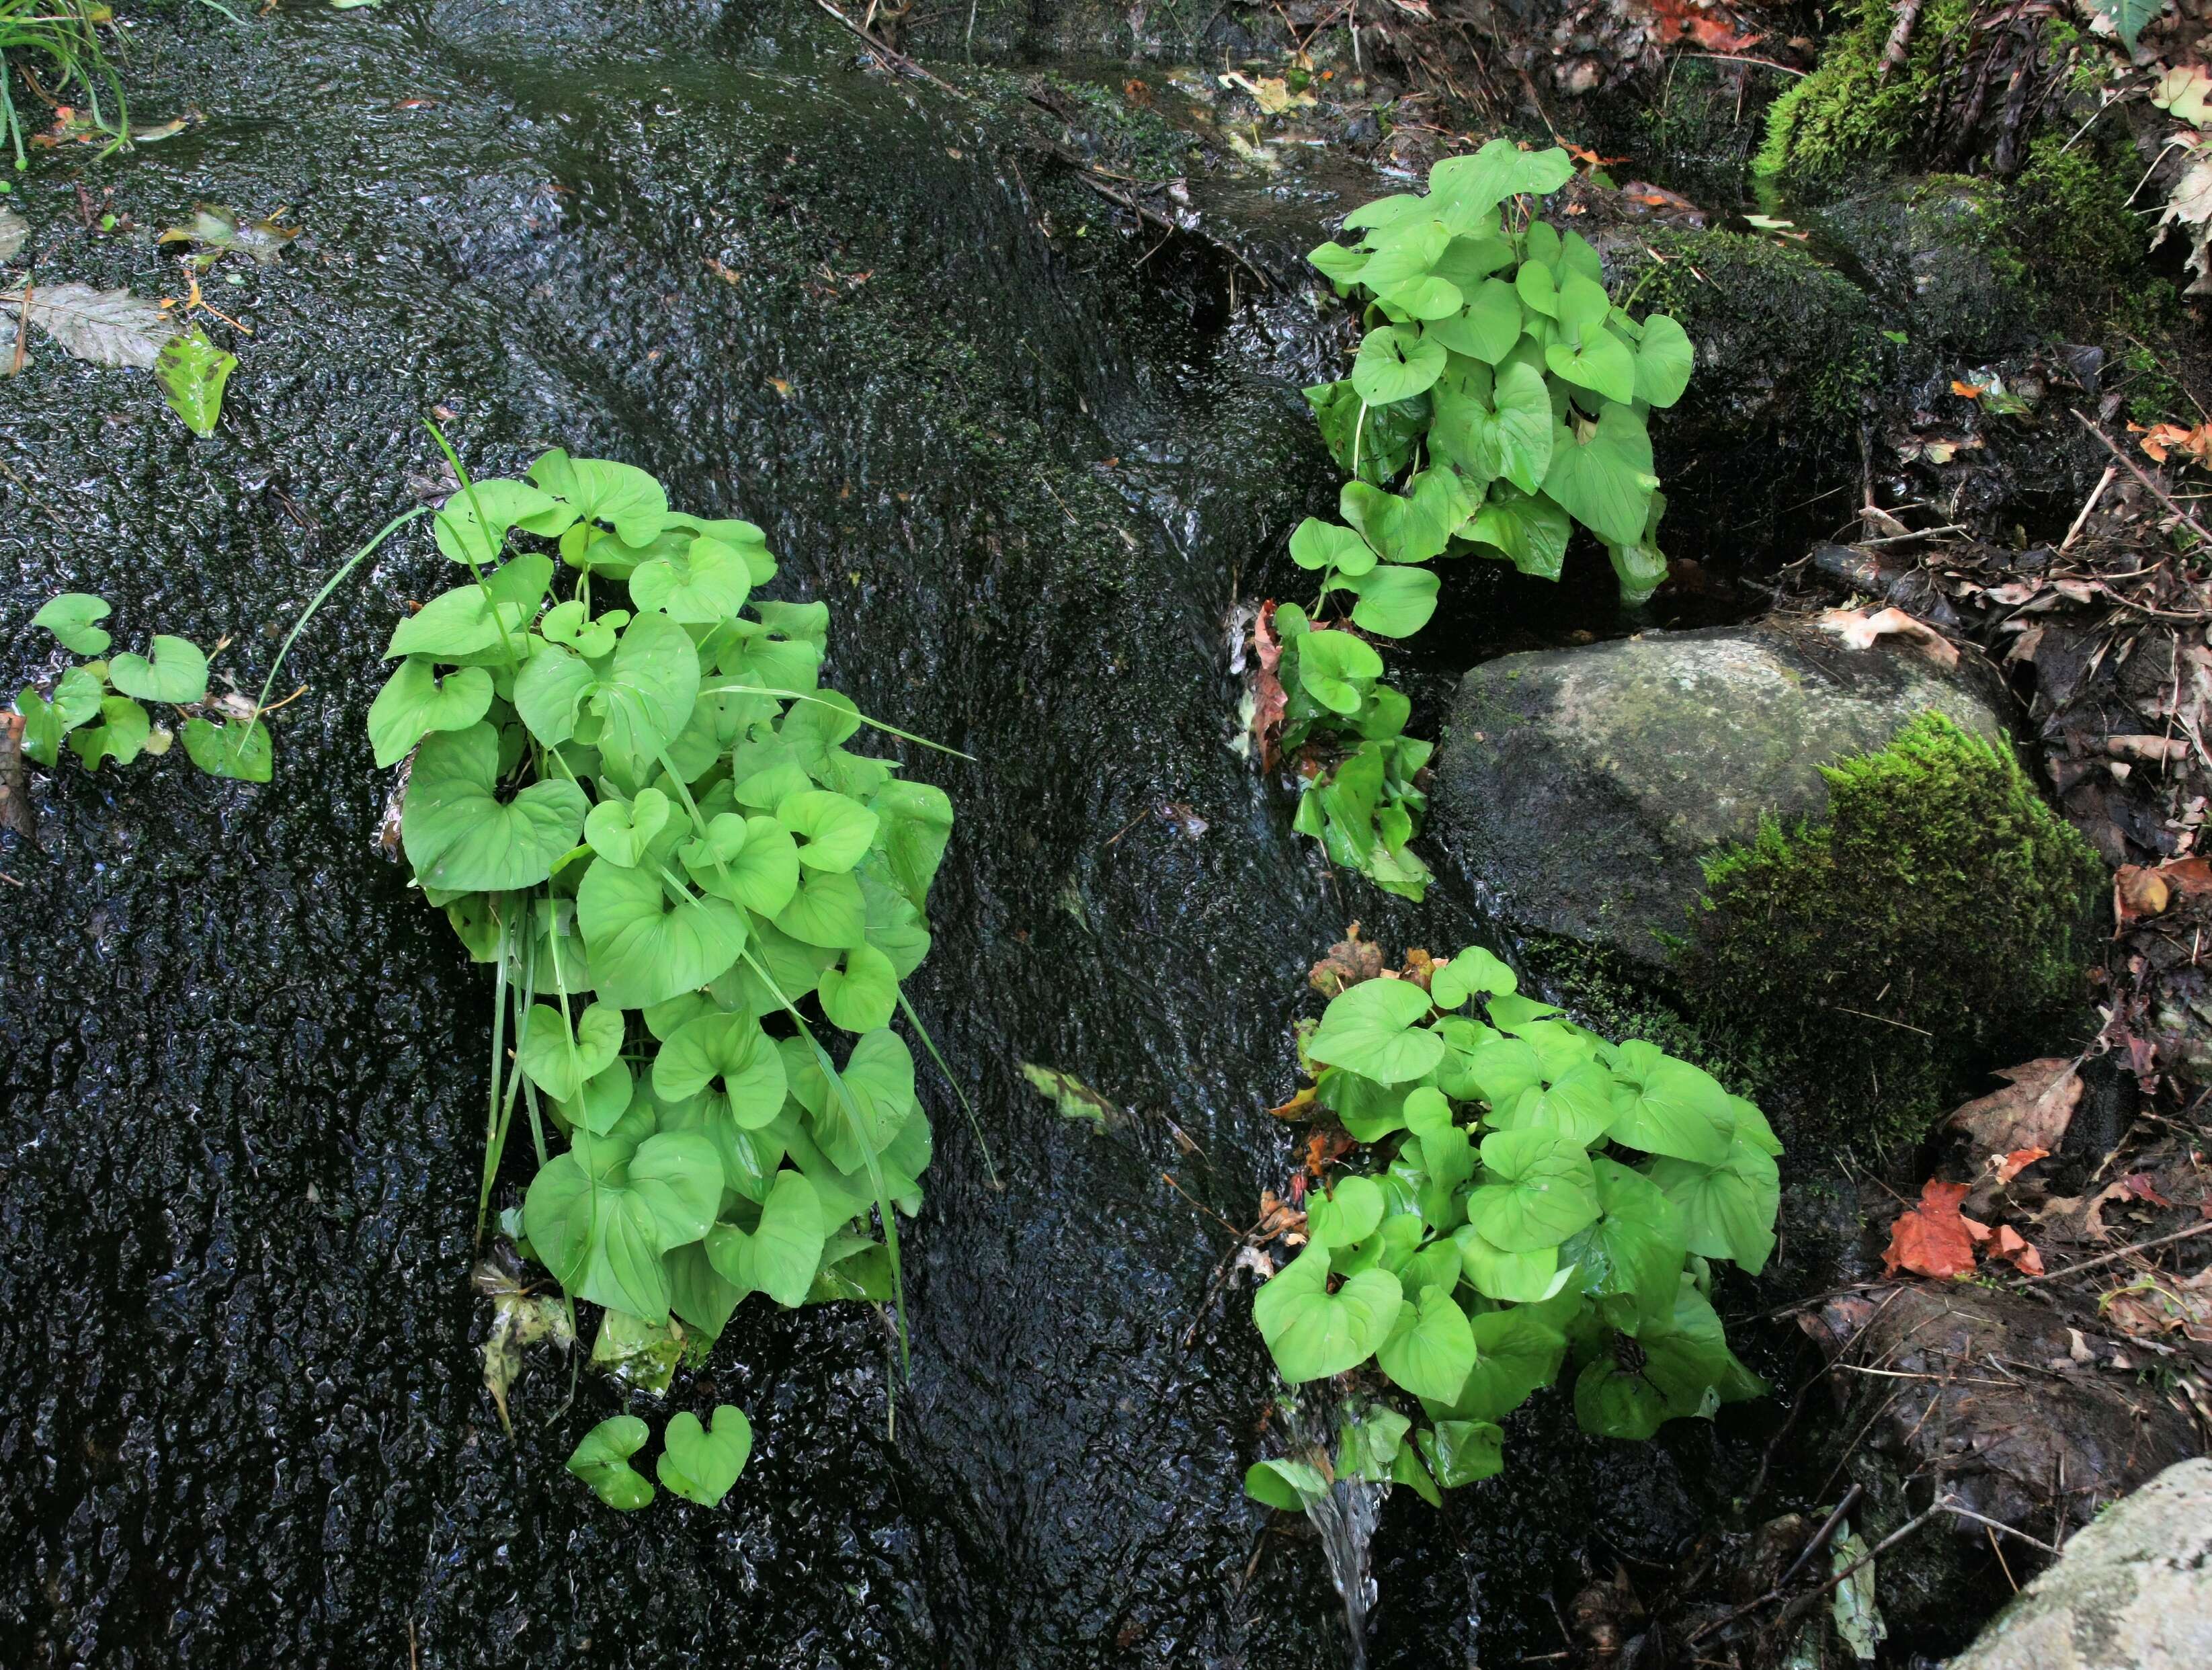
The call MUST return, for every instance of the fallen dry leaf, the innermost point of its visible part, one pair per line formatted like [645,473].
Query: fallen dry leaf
[2013,1247]
[1932,1239]
[1299,1107]
[1859,630]
[2159,1304]
[1278,1219]
[1966,391]
[1349,962]
[2137,891]
[2141,1185]
[2031,1112]
[2160,440]
[1269,697]
[1325,1147]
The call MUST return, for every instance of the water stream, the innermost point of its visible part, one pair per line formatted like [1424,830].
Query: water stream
[239,1107]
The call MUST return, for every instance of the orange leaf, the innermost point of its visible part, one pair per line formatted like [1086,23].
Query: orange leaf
[2018,1161]
[1966,391]
[2013,1249]
[1931,1239]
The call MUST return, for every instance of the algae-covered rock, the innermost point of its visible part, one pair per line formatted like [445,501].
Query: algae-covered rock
[2133,1590]
[1817,870]
[1581,789]
[1935,251]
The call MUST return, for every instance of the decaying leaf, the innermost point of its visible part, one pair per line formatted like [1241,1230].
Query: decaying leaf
[1279,1221]
[1269,698]
[1858,1619]
[1071,1095]
[1859,630]
[2012,1247]
[2031,1112]
[638,1352]
[1932,1239]
[107,327]
[2160,1303]
[14,232]
[1272,93]
[2190,205]
[1324,1149]
[2184,92]
[1299,1107]
[218,231]
[1349,962]
[519,1319]
[2162,440]
[2140,891]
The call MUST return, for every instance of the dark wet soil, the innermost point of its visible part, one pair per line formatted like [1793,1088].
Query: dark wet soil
[241,1067]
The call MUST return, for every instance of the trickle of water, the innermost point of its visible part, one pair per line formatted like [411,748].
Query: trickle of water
[1346,1518]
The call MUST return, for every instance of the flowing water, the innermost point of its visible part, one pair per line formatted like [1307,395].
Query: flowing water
[240,1063]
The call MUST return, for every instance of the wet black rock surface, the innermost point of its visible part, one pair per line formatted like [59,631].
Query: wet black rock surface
[241,1066]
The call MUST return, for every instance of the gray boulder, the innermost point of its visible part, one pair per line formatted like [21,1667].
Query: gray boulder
[2133,1591]
[1578,788]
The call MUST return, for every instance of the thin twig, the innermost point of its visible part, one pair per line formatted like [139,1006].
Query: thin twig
[2113,1257]
[1953,1507]
[1820,1536]
[2112,472]
[2144,477]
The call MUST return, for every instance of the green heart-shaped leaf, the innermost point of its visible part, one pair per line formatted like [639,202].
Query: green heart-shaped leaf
[72,617]
[1396,362]
[1429,1352]
[705,583]
[1636,1249]
[122,734]
[1510,437]
[177,673]
[1474,970]
[1323,545]
[1292,1486]
[461,837]
[1515,1353]
[1329,663]
[863,994]
[649,690]
[835,831]
[878,1105]
[1601,476]
[678,1176]
[828,909]
[414,701]
[699,1465]
[1312,1333]
[601,1459]
[1374,1028]
[1540,1191]
[1347,1214]
[1520,1277]
[1529,531]
[782,1254]
[1393,602]
[550,691]
[621,831]
[1668,1107]
[601,490]
[1663,360]
[1462,1452]
[235,748]
[557,1063]
[649,942]
[730,1054]
[459,622]
[597,1237]
[1727,1210]
[1601,363]
[472,527]
[590,637]
[1578,1105]
[1489,326]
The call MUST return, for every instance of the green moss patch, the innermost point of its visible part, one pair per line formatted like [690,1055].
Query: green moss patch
[1847,113]
[1939,917]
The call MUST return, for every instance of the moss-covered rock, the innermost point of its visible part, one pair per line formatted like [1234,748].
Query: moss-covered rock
[1847,113]
[1939,913]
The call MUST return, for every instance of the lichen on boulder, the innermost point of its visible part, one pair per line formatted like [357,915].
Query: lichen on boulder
[1817,869]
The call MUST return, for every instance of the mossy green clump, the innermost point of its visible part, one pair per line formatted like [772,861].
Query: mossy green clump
[1846,112]
[1941,915]
[2082,252]
[1769,319]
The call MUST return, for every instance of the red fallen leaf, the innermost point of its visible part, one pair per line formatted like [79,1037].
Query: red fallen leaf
[1268,697]
[2144,1187]
[1931,1239]
[2012,1247]
[1966,391]
[2011,1165]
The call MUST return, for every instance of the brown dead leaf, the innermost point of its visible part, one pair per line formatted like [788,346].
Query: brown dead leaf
[1278,1219]
[1299,1107]
[1859,630]
[1323,1148]
[2141,1185]
[1350,960]
[1932,1239]
[2160,1303]
[2031,1112]
[2013,1247]
[2137,891]
[1268,697]
[2151,750]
